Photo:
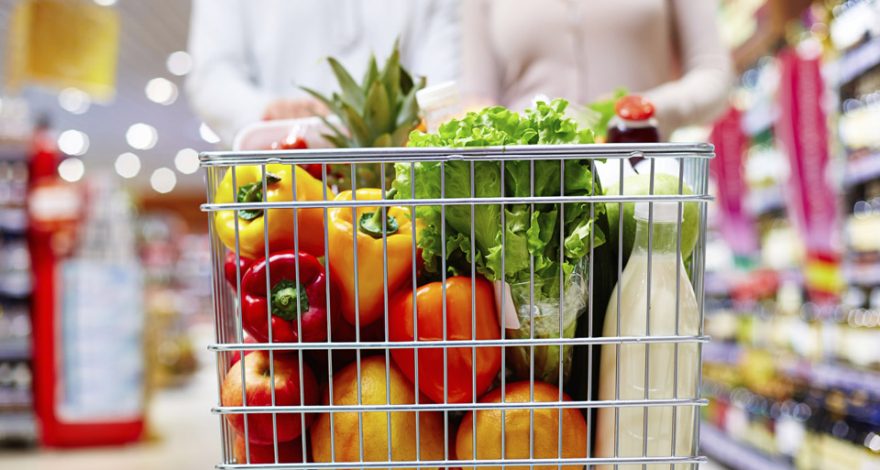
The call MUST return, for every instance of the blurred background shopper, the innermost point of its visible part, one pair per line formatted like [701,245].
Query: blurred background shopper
[667,50]
[251,57]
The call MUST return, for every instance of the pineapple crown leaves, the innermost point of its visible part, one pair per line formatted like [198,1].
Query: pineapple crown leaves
[380,111]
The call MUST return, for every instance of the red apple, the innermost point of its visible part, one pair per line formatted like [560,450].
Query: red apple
[288,452]
[258,390]
[236,355]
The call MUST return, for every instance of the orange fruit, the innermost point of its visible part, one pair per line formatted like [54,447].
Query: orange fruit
[516,429]
[346,430]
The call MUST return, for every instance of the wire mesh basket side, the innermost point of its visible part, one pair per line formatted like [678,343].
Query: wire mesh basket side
[401,430]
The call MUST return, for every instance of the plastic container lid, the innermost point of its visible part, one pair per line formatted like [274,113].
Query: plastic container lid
[664,212]
[634,108]
[438,96]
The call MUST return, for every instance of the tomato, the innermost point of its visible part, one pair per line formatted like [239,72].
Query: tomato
[295,142]
[462,370]
[314,169]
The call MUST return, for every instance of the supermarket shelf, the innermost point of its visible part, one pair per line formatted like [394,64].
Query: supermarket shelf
[717,284]
[758,119]
[11,350]
[823,374]
[722,352]
[13,220]
[19,425]
[858,61]
[760,201]
[16,285]
[21,399]
[862,169]
[862,275]
[13,151]
[715,444]
[833,375]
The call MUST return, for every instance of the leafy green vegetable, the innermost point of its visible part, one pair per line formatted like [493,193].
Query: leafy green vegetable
[531,232]
[605,110]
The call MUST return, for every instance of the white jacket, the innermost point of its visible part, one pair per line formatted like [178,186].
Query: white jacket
[247,53]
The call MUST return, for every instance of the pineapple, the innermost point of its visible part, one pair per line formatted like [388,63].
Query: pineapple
[381,111]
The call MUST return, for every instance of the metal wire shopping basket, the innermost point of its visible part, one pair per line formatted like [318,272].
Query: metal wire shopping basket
[358,395]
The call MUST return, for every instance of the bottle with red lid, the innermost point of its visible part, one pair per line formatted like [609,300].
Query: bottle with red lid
[633,121]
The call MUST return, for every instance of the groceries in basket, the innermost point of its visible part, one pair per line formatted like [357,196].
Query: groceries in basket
[247,230]
[295,141]
[467,370]
[654,298]
[288,452]
[378,266]
[386,436]
[519,428]
[249,383]
[295,293]
[641,185]
[541,246]
[379,111]
[362,237]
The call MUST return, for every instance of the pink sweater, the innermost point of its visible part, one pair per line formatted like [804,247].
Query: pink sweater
[668,50]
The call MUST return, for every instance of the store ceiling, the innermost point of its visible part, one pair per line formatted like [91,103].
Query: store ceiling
[149,32]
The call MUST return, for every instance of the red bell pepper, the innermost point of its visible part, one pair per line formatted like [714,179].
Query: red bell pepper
[285,298]
[229,267]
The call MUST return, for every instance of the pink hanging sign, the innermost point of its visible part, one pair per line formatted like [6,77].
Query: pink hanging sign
[737,226]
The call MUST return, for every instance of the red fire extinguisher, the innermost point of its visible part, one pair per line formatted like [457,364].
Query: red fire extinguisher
[65,416]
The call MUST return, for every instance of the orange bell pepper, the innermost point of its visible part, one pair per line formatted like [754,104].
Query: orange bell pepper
[369,304]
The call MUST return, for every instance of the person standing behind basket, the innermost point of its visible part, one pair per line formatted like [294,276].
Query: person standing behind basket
[251,56]
[667,50]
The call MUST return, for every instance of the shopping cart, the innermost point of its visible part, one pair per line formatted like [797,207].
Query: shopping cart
[361,430]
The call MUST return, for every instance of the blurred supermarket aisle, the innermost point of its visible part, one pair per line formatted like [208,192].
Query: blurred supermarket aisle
[182,417]
[791,292]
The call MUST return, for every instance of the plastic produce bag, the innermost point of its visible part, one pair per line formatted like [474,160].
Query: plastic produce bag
[546,320]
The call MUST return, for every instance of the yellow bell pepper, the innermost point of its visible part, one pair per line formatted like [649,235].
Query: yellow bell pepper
[368,230]
[252,222]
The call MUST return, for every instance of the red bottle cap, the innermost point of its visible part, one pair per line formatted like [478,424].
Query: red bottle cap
[634,108]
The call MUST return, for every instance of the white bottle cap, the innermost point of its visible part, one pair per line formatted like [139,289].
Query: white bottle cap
[664,212]
[438,96]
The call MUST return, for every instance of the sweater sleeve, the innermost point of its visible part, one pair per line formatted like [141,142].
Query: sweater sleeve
[220,87]
[700,95]
[480,73]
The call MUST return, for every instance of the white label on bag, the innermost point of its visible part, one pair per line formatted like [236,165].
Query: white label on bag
[505,299]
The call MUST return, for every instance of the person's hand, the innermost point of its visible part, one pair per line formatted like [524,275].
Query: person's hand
[293,108]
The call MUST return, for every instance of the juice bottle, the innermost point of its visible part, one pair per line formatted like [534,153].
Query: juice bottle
[633,121]
[625,368]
